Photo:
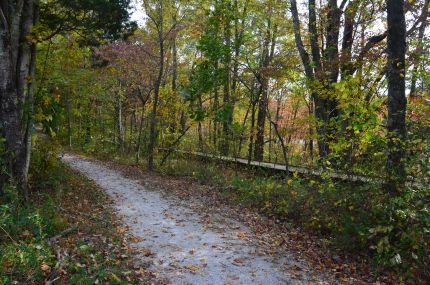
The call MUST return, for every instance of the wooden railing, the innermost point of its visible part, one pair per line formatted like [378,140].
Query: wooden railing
[294,169]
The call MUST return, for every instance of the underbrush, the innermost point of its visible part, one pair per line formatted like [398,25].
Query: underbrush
[25,254]
[358,218]
[66,233]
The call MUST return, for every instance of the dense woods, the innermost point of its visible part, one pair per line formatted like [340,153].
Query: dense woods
[336,86]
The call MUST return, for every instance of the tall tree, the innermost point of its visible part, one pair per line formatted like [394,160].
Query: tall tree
[267,53]
[227,100]
[156,15]
[323,66]
[396,124]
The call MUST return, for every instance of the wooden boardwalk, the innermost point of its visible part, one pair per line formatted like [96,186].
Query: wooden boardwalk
[296,169]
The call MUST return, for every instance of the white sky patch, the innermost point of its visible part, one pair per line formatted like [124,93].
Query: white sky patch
[137,13]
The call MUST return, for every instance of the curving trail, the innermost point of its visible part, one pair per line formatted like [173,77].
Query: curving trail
[187,248]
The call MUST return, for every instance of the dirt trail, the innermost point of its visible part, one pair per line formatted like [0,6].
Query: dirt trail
[187,248]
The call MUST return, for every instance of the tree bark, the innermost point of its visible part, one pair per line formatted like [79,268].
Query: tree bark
[139,137]
[199,127]
[348,39]
[175,73]
[326,73]
[153,121]
[396,126]
[17,56]
[251,133]
[313,37]
[119,122]
[263,79]
[228,118]
[419,49]
[29,124]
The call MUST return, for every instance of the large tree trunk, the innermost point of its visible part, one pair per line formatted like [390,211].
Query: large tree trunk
[396,48]
[17,56]
[9,120]
[326,104]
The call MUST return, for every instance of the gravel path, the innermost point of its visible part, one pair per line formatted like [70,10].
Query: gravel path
[188,249]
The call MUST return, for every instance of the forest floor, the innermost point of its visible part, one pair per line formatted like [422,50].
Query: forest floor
[189,232]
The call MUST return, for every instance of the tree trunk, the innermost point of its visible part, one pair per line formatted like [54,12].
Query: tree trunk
[119,123]
[261,122]
[174,55]
[228,118]
[396,126]
[139,137]
[153,121]
[267,55]
[30,125]
[175,74]
[199,127]
[311,129]
[419,49]
[251,133]
[325,107]
[17,57]
[215,122]
[9,108]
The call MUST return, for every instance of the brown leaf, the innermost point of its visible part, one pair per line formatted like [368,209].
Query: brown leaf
[45,268]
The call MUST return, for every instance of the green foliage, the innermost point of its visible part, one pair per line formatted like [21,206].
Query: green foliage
[24,229]
[23,262]
[45,169]
[209,174]
[23,248]
[360,144]
[95,19]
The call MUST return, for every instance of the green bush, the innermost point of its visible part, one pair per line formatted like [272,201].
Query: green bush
[45,169]
[209,174]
